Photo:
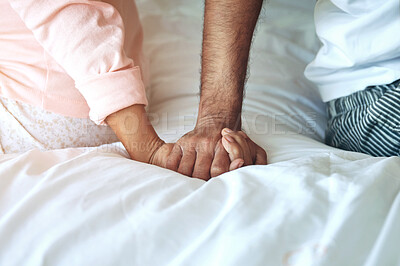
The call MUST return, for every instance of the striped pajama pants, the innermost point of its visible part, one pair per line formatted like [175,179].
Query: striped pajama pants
[366,121]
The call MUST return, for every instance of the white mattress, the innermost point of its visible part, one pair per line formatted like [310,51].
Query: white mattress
[312,205]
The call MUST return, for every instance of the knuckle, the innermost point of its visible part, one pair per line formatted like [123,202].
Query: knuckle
[184,145]
[187,147]
[205,148]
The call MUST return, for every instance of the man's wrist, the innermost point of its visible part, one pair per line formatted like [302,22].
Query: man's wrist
[219,120]
[220,113]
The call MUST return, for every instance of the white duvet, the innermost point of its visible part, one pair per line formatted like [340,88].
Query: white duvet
[312,205]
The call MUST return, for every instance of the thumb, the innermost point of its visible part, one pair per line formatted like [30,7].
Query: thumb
[235,154]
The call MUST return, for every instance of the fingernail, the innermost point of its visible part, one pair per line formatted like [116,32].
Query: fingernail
[229,138]
[227,130]
[241,164]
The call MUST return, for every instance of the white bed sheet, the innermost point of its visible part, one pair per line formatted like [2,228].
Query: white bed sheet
[312,205]
[75,207]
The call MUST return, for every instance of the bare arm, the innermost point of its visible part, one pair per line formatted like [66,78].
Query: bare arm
[227,35]
[134,130]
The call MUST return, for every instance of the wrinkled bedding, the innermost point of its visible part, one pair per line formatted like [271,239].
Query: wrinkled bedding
[312,205]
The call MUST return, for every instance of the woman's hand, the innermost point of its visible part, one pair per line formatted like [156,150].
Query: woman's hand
[241,149]
[160,155]
[134,130]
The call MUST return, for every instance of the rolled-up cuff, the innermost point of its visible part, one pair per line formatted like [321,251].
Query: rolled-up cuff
[113,91]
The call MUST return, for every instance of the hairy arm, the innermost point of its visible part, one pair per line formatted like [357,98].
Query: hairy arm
[227,34]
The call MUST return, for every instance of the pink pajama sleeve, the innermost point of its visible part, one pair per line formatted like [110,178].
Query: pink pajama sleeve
[86,38]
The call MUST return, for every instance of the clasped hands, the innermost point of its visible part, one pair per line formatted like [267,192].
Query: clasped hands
[207,151]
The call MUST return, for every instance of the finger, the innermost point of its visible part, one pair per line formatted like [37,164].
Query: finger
[232,148]
[187,162]
[226,131]
[236,164]
[202,165]
[244,135]
[261,156]
[243,145]
[252,146]
[220,163]
[174,158]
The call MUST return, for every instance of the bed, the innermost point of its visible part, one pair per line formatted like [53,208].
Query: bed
[311,205]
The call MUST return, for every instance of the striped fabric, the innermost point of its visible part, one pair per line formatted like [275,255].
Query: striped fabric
[367,121]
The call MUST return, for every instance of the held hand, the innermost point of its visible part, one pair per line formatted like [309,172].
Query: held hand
[202,153]
[240,147]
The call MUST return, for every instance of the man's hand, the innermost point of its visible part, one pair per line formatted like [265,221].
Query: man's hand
[227,33]
[207,152]
[200,154]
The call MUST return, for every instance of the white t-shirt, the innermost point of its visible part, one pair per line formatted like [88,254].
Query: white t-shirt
[360,46]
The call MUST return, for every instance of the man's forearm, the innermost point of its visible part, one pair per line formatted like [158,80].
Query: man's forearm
[227,35]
